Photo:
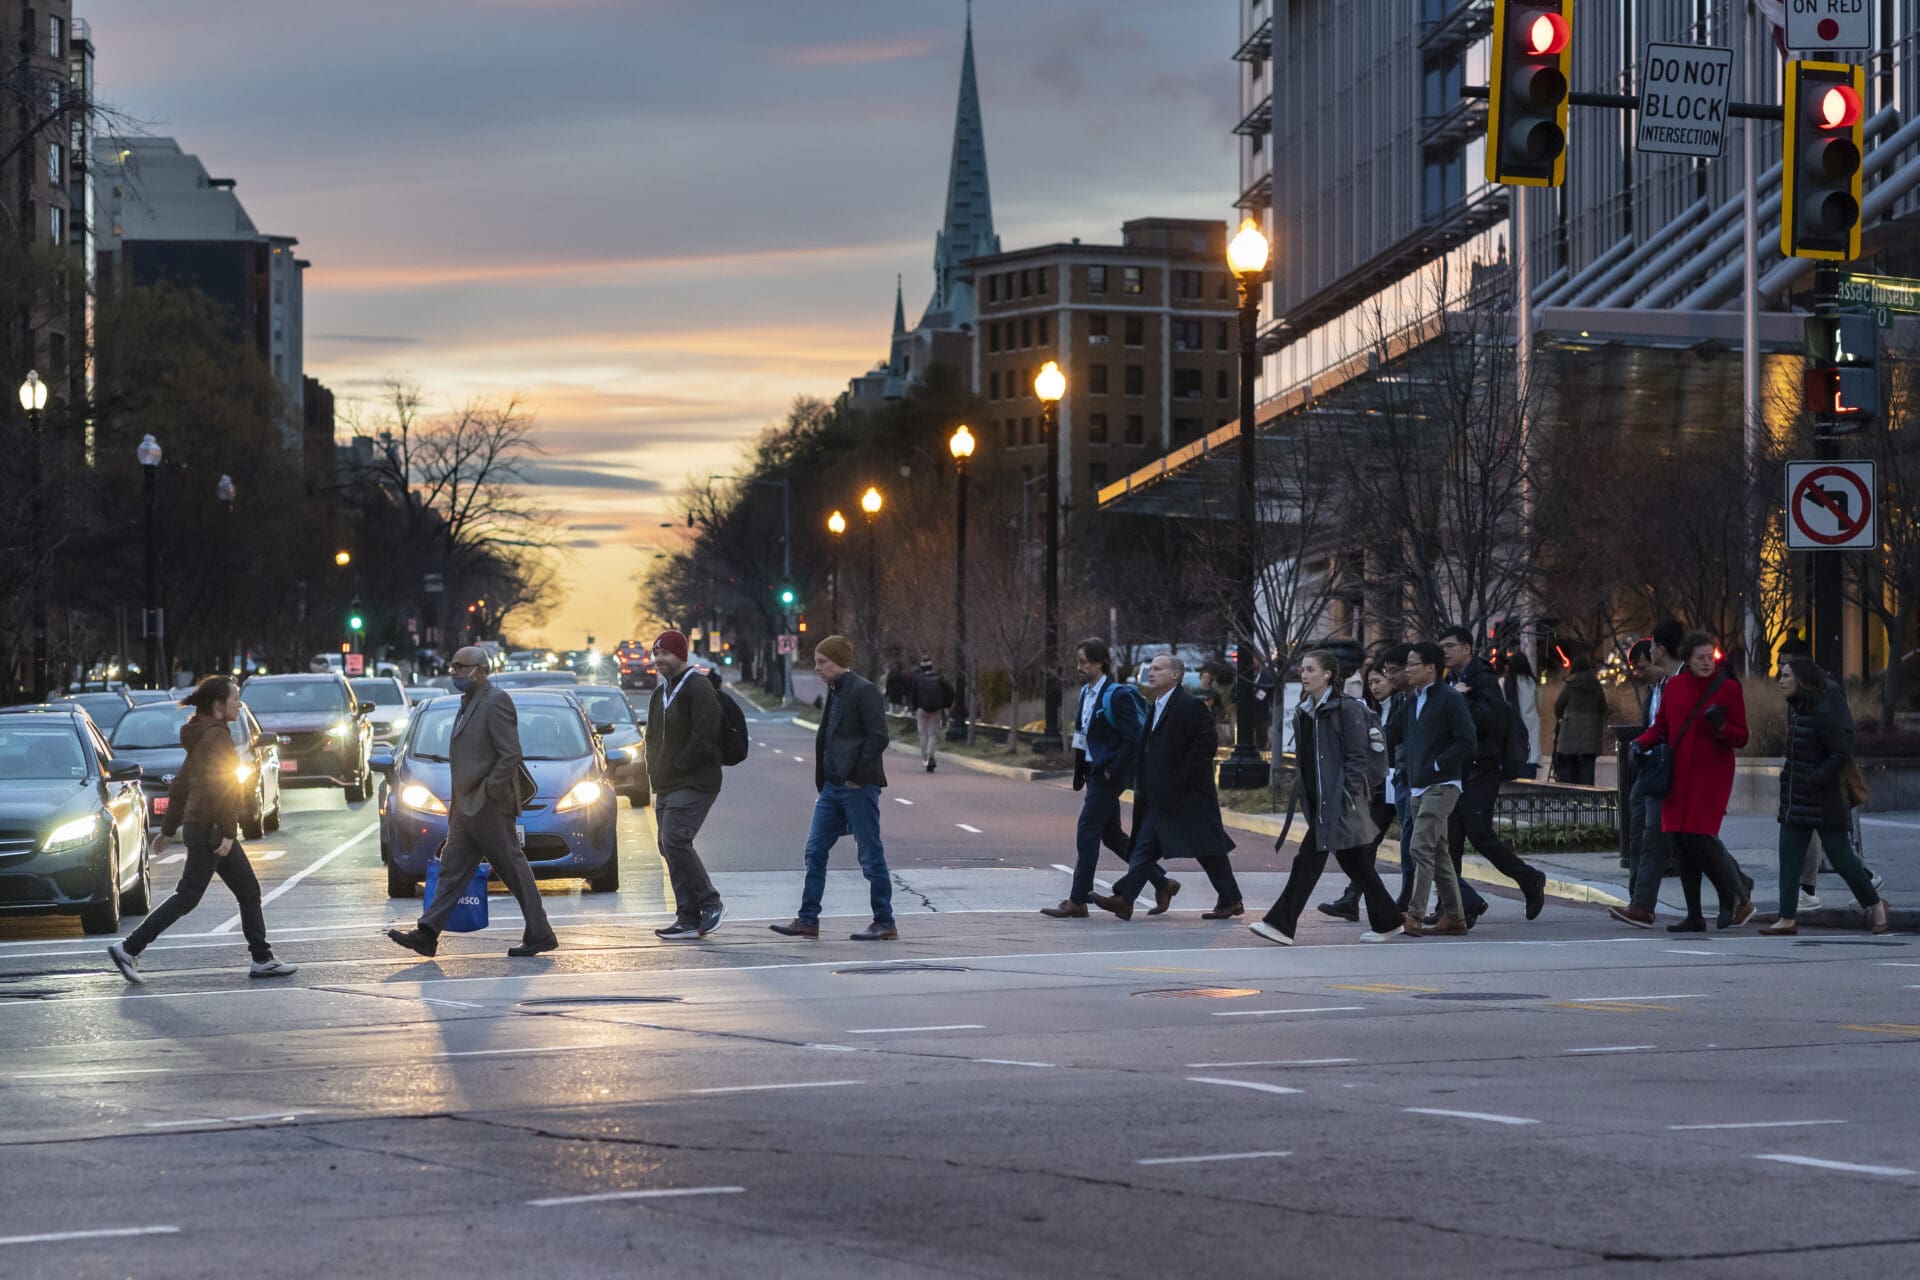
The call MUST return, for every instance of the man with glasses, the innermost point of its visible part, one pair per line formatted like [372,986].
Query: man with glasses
[490,784]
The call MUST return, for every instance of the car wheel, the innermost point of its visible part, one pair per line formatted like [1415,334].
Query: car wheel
[399,883]
[272,822]
[104,917]
[640,797]
[139,900]
[256,826]
[358,789]
[608,881]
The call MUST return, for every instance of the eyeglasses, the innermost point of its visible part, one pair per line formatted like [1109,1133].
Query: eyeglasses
[465,666]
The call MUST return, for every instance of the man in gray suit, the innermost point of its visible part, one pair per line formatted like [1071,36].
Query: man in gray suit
[487,795]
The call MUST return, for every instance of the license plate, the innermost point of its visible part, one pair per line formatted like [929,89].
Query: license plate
[520,834]
[160,804]
[288,766]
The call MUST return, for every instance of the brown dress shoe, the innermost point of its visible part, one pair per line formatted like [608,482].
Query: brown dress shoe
[1632,915]
[1877,916]
[1068,910]
[1112,902]
[1784,927]
[796,929]
[1410,925]
[1446,926]
[1225,911]
[1163,898]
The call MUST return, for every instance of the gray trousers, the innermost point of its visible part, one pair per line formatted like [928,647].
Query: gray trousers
[1432,863]
[486,837]
[1650,851]
[680,815]
[929,725]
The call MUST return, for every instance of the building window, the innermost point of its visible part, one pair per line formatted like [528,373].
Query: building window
[53,163]
[1097,379]
[993,336]
[1222,389]
[1026,332]
[1136,429]
[1045,332]
[1136,331]
[56,37]
[1041,287]
[57,223]
[1097,474]
[1188,335]
[1096,279]
[1185,429]
[1026,284]
[993,288]
[1220,335]
[1188,384]
[993,385]
[1189,286]
[1130,280]
[1026,431]
[1223,290]
[1096,428]
[1096,328]
[1136,380]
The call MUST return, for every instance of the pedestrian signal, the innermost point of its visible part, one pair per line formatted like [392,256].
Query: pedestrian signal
[1527,98]
[1820,172]
[1842,373]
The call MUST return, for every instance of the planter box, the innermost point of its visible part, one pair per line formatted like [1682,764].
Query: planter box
[1894,782]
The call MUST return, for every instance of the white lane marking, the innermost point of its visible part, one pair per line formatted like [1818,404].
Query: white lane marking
[662,1194]
[1230,1155]
[888,1031]
[1889,822]
[964,827]
[1267,1013]
[494,1053]
[304,872]
[1013,1062]
[1243,1084]
[1614,1048]
[103,1234]
[801,759]
[1061,866]
[903,800]
[1274,1062]
[1630,999]
[1677,951]
[1488,1116]
[762,1088]
[1898,964]
[265,855]
[1754,1124]
[836,1048]
[1884,1170]
[758,743]
[92,1073]
[281,1116]
[172,858]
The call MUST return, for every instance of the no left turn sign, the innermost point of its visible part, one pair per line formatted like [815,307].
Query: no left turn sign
[1830,506]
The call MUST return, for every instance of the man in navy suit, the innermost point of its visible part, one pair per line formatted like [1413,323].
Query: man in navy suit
[1107,730]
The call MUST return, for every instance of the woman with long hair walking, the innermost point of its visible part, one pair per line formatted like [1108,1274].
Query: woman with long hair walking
[203,805]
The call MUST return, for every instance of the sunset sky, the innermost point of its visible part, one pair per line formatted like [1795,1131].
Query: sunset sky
[657,220]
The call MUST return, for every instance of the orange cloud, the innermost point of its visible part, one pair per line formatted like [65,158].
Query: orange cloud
[856,53]
[374,276]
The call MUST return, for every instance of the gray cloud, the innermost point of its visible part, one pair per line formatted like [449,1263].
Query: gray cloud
[585,475]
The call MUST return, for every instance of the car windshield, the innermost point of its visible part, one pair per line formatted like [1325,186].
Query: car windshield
[606,706]
[41,749]
[548,731]
[527,679]
[421,693]
[381,691]
[157,728]
[296,697]
[105,708]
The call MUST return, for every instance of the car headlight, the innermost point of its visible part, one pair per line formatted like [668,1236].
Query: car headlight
[243,771]
[415,796]
[341,731]
[72,835]
[585,792]
[629,754]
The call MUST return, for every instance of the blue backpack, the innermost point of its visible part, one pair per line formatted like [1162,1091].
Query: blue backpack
[1106,702]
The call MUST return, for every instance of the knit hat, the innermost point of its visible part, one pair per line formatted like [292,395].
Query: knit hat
[836,649]
[674,643]
[926,663]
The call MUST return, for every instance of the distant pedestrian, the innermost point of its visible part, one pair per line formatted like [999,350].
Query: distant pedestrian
[1579,724]
[490,784]
[1216,679]
[1472,820]
[1813,800]
[898,684]
[1176,808]
[931,696]
[1338,752]
[684,769]
[203,805]
[1253,697]
[1109,725]
[1439,740]
[1523,695]
[1836,698]
[849,774]
[1649,849]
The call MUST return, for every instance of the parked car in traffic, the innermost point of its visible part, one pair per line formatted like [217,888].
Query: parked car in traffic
[323,730]
[73,829]
[150,736]
[568,829]
[534,679]
[419,693]
[623,736]
[141,697]
[106,707]
[391,707]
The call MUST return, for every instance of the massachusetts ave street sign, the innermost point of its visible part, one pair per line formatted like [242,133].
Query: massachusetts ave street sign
[1814,25]
[1683,100]
[1830,506]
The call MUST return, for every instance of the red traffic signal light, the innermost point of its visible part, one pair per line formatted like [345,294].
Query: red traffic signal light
[1527,96]
[1548,34]
[1820,172]
[1840,107]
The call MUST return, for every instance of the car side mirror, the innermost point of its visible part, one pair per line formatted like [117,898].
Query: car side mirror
[604,728]
[381,760]
[261,741]
[124,771]
[365,709]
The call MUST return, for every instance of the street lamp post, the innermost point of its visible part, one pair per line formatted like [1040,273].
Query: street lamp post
[1050,385]
[148,452]
[33,399]
[836,525]
[1244,769]
[961,446]
[226,493]
[870,503]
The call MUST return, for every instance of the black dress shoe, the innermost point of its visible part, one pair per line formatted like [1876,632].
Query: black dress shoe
[534,948]
[1163,897]
[418,941]
[1475,911]
[1692,924]
[875,932]
[1114,903]
[1225,911]
[1344,907]
[1536,892]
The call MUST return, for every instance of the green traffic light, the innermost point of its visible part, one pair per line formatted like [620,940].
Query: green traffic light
[356,622]
[786,597]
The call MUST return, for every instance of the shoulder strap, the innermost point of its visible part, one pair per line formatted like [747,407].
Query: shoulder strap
[1699,706]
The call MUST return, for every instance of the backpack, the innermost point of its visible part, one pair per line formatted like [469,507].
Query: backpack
[1513,756]
[733,731]
[931,693]
[1106,702]
[1376,749]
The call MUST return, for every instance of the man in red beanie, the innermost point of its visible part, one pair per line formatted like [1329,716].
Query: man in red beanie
[683,764]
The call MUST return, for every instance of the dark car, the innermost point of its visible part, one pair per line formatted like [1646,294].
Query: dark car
[73,830]
[567,829]
[534,679]
[323,729]
[623,735]
[636,668]
[150,736]
[106,707]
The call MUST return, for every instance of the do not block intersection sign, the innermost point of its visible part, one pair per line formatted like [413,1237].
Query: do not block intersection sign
[1830,506]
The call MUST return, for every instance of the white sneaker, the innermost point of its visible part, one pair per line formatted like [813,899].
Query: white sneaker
[1808,902]
[1270,933]
[129,966]
[1398,930]
[272,969]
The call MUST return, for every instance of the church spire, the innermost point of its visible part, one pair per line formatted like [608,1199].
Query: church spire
[899,308]
[968,232]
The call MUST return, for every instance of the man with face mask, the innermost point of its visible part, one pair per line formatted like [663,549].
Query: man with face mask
[488,781]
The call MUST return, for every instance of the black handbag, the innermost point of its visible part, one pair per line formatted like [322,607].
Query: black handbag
[1654,775]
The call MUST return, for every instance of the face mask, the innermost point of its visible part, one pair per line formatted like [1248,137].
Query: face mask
[462,683]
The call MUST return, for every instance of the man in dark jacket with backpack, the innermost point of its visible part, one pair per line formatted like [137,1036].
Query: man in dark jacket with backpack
[931,695]
[684,721]
[1498,727]
[1108,727]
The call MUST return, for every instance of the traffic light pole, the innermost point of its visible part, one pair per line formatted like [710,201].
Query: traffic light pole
[1829,630]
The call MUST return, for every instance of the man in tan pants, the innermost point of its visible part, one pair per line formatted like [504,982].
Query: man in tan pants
[1439,740]
[930,695]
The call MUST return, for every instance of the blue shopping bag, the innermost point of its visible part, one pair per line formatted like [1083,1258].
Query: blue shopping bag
[470,913]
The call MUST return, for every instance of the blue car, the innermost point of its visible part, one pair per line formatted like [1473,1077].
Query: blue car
[567,829]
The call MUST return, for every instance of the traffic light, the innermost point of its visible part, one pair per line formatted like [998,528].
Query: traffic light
[1527,98]
[1843,375]
[355,622]
[787,597]
[1820,172]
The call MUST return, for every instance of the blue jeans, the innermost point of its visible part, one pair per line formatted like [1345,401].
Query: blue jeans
[841,810]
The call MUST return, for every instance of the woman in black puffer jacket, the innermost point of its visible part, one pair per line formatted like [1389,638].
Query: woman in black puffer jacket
[1819,744]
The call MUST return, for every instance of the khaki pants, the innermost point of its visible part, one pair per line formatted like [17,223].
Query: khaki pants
[929,722]
[1431,809]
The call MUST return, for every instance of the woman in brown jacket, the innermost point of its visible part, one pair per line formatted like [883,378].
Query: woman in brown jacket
[204,805]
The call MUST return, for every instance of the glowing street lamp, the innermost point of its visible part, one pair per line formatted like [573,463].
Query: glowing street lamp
[961,447]
[1247,256]
[836,525]
[870,503]
[1050,384]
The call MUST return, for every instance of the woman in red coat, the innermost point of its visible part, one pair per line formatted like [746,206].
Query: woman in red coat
[1703,747]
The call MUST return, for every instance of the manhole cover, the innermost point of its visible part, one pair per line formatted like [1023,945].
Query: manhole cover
[1201,993]
[564,1000]
[903,968]
[1479,995]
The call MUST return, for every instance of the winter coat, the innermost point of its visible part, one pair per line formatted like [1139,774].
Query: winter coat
[1580,716]
[1703,760]
[930,692]
[683,739]
[1819,743]
[1339,804]
[207,787]
[1487,701]
[853,736]
[1176,790]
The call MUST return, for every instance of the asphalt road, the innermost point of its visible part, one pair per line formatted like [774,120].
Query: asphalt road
[995,1095]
